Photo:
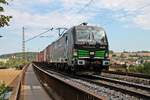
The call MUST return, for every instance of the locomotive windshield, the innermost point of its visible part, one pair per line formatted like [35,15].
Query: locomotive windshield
[91,35]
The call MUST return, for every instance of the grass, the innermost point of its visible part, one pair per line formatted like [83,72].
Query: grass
[8,75]
[7,80]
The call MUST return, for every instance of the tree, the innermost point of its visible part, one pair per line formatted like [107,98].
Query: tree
[4,19]
[111,51]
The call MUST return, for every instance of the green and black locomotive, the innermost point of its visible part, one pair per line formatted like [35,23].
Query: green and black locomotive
[81,48]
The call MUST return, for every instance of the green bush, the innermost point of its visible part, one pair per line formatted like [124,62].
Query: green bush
[145,68]
[3,89]
[13,63]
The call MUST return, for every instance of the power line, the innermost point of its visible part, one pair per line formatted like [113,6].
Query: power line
[85,6]
[80,10]
[39,34]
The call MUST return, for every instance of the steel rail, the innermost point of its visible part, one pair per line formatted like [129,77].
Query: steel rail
[131,84]
[139,75]
[124,90]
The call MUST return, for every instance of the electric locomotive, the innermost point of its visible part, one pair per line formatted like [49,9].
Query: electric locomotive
[81,48]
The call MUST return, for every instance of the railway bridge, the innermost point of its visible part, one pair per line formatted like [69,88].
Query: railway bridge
[37,82]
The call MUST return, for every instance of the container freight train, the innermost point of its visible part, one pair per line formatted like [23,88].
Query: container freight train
[82,48]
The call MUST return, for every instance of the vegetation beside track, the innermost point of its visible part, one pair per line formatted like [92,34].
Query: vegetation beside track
[14,60]
[144,68]
[3,90]
[13,63]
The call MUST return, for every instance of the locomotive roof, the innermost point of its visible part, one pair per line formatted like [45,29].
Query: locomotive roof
[88,26]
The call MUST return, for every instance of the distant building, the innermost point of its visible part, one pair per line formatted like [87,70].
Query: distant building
[3,60]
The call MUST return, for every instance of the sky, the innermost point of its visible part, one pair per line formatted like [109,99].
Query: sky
[127,22]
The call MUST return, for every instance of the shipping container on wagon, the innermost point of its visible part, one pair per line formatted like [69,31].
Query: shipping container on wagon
[45,54]
[40,57]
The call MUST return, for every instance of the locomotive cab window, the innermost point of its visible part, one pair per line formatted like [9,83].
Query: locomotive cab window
[93,35]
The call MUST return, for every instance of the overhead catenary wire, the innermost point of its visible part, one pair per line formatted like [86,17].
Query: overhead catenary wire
[39,35]
[85,6]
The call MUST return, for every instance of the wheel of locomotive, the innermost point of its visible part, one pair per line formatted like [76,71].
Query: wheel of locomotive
[73,69]
[64,65]
[57,66]
[106,68]
[67,68]
[98,69]
[61,66]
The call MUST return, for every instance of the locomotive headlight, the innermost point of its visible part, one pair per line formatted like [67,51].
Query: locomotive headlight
[75,53]
[91,53]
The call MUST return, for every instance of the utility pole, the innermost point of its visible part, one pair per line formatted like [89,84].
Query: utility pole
[23,44]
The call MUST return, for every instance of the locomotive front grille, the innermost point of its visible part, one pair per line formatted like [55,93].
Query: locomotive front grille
[88,54]
[99,54]
[83,53]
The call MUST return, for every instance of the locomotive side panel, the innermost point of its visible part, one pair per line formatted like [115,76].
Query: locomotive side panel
[60,51]
[56,52]
[69,46]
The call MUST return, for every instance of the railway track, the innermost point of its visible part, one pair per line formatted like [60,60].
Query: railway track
[137,90]
[109,87]
[130,77]
[139,75]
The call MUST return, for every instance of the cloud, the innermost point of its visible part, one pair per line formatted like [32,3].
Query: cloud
[135,12]
[37,21]
[143,21]
[74,3]
[22,15]
[31,2]
[28,5]
[50,19]
[128,5]
[126,11]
